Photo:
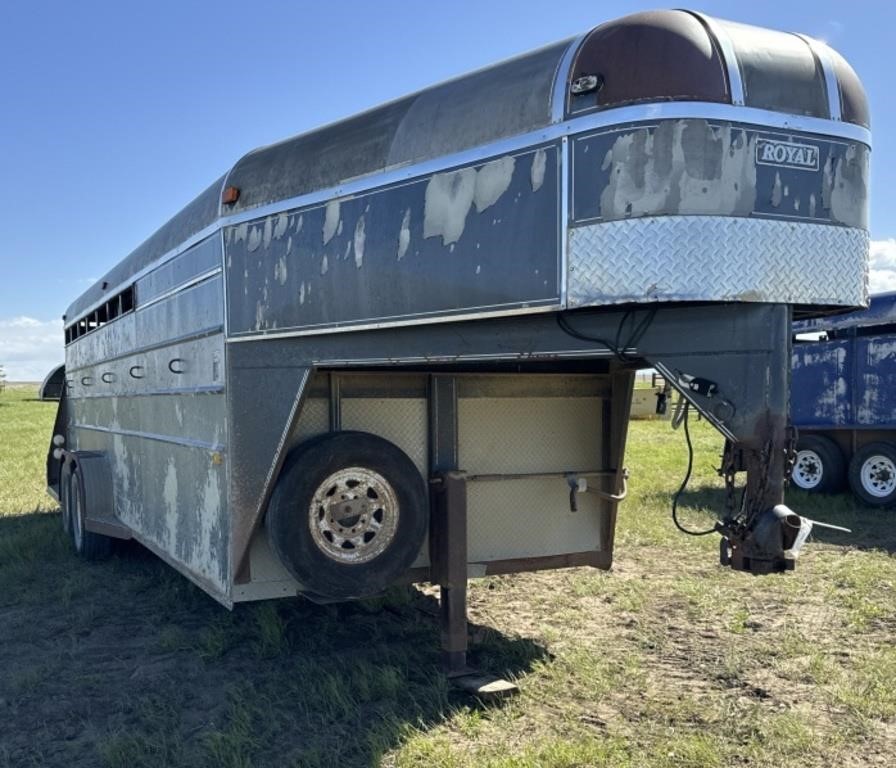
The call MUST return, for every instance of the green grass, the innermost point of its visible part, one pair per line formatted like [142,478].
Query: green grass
[668,660]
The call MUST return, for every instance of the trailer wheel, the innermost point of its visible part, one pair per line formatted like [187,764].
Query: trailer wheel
[348,514]
[89,545]
[819,466]
[872,474]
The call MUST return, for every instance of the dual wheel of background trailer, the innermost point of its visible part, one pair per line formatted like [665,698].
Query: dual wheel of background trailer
[820,467]
[73,504]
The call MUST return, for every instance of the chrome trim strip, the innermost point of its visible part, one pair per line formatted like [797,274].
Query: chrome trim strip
[565,180]
[726,47]
[217,389]
[497,356]
[224,282]
[185,442]
[820,51]
[679,110]
[326,330]
[193,281]
[561,79]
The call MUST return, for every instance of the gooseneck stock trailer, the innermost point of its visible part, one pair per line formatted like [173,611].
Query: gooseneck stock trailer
[402,347]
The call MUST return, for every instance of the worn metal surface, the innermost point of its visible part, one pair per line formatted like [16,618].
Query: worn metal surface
[712,168]
[438,245]
[848,381]
[717,258]
[518,98]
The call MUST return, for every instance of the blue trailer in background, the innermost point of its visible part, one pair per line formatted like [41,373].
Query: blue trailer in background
[843,402]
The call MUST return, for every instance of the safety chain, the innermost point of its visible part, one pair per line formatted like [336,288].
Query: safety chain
[728,471]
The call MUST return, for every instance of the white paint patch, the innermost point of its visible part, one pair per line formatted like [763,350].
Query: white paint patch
[776,190]
[812,204]
[268,231]
[539,164]
[492,181]
[280,271]
[447,203]
[478,268]
[348,250]
[324,265]
[241,231]
[451,248]
[302,293]
[289,245]
[282,224]
[169,495]
[259,315]
[360,237]
[331,220]
[404,235]
[299,223]
[339,228]
[254,239]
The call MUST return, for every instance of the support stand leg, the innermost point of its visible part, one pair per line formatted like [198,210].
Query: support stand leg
[448,555]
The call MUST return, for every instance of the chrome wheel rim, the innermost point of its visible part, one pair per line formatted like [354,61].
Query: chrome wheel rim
[353,515]
[807,470]
[879,476]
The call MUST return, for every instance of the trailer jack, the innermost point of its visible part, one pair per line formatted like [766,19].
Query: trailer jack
[770,544]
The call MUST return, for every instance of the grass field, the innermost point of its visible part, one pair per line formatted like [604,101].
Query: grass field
[667,660]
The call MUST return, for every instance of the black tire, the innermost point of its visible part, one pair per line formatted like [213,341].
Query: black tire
[872,474]
[356,550]
[819,466]
[65,504]
[88,545]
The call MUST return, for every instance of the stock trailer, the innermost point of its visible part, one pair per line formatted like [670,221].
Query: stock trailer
[402,347]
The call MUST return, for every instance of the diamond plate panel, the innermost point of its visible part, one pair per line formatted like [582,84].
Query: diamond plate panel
[717,258]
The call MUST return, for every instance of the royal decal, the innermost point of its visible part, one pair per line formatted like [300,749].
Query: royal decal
[787,154]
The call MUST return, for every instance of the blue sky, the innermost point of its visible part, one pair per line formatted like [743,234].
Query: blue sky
[114,115]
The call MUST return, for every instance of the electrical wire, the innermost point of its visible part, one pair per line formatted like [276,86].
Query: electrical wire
[687,477]
[616,347]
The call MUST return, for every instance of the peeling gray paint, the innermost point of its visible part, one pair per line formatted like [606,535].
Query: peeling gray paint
[331,220]
[404,234]
[492,181]
[851,175]
[359,242]
[687,166]
[539,163]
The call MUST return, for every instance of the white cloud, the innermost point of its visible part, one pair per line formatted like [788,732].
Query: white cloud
[30,348]
[883,265]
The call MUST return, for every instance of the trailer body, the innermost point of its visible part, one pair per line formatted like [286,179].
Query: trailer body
[469,276]
[844,402]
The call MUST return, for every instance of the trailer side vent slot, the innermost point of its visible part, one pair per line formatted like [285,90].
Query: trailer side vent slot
[114,308]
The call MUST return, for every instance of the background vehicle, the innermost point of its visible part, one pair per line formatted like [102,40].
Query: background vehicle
[843,401]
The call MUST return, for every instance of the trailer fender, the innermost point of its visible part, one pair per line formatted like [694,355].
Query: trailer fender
[89,496]
[348,514]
